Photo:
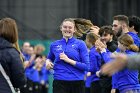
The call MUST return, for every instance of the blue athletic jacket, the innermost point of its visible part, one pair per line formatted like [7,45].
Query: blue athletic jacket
[76,50]
[38,76]
[95,61]
[126,79]
[44,73]
[135,38]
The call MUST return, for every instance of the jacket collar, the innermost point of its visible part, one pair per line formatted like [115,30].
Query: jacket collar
[4,43]
[69,40]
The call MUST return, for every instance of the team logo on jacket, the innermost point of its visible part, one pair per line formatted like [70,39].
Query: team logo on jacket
[74,46]
[59,47]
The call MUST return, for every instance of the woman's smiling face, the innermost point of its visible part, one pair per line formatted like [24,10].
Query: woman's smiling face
[68,29]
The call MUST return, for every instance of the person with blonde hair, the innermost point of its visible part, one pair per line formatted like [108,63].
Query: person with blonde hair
[69,58]
[39,49]
[126,80]
[10,56]
[98,56]
[92,80]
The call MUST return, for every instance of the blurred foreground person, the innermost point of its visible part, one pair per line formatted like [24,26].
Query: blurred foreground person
[121,61]
[126,80]
[10,57]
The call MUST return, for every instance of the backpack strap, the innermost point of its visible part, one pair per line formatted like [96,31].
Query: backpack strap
[7,79]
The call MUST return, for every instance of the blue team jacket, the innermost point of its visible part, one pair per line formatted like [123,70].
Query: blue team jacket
[43,74]
[76,50]
[126,79]
[38,76]
[135,38]
[95,61]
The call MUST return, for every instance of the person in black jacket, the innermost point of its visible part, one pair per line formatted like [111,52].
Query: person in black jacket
[10,57]
[110,42]
[108,37]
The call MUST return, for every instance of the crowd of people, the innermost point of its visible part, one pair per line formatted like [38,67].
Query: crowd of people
[121,37]
[87,59]
[35,68]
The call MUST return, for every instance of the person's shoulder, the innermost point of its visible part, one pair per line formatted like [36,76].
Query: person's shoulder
[9,49]
[13,51]
[56,42]
[79,41]
[93,51]
[10,53]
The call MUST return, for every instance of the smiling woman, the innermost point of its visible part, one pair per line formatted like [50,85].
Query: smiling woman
[71,60]
[68,28]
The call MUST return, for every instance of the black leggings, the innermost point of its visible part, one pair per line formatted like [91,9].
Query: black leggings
[60,86]
[95,87]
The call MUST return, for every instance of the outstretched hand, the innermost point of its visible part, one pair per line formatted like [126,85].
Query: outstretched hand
[49,64]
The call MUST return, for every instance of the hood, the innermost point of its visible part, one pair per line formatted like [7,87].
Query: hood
[4,43]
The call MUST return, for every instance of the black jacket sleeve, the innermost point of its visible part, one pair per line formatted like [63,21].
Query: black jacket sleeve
[16,68]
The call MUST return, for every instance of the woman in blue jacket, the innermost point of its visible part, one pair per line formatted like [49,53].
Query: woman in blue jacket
[127,80]
[94,64]
[69,58]
[96,61]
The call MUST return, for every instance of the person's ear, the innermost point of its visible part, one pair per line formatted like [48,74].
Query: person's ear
[133,27]
[75,29]
[111,36]
[123,26]
[60,27]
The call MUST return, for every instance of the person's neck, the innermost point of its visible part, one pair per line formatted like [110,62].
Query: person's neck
[125,30]
[66,38]
[90,46]
[110,40]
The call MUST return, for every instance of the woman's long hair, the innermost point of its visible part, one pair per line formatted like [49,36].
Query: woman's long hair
[8,31]
[81,25]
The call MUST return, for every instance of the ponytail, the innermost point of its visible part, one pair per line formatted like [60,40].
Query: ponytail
[133,47]
[82,26]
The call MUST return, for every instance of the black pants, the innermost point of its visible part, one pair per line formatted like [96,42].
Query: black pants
[106,89]
[105,83]
[100,87]
[28,88]
[44,89]
[87,90]
[117,91]
[36,87]
[95,87]
[60,86]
